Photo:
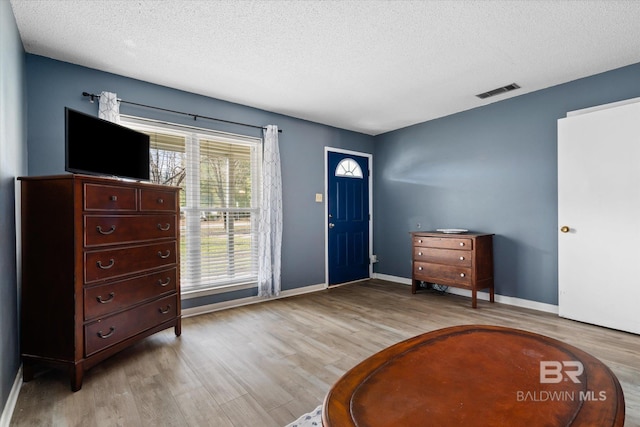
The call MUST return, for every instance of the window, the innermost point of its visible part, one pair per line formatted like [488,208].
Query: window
[349,168]
[219,176]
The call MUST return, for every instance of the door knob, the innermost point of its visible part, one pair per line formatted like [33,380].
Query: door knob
[331,225]
[564,229]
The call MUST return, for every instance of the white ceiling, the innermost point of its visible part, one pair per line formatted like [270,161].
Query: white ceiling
[367,66]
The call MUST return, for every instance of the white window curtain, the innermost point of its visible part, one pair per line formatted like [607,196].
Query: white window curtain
[109,107]
[270,224]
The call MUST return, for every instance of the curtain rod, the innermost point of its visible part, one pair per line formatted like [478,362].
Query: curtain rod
[93,97]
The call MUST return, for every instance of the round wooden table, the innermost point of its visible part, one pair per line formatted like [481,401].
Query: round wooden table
[477,376]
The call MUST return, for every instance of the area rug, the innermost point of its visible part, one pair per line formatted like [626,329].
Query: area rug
[312,419]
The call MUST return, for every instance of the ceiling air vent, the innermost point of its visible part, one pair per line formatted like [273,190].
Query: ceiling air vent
[498,91]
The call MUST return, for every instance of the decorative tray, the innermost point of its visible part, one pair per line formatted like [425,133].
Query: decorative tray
[452,230]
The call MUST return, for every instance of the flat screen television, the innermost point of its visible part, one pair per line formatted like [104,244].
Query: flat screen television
[99,147]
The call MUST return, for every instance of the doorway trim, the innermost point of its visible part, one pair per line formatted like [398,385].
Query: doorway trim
[369,157]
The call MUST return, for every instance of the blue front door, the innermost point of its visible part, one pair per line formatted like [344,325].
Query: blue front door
[348,217]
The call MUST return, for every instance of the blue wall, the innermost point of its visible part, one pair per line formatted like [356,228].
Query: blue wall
[52,85]
[492,169]
[12,163]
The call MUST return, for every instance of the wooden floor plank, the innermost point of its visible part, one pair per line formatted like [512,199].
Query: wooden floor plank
[198,408]
[266,364]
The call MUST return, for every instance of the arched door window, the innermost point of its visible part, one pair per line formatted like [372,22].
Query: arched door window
[349,168]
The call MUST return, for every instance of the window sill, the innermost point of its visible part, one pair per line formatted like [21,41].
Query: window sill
[196,293]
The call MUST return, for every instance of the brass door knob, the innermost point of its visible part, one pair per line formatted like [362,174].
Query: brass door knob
[564,229]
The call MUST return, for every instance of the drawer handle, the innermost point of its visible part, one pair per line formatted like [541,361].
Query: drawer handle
[419,240]
[106,301]
[419,253]
[164,256]
[166,228]
[420,268]
[113,198]
[105,336]
[461,258]
[109,231]
[166,310]
[461,243]
[163,284]
[106,267]
[160,200]
[462,274]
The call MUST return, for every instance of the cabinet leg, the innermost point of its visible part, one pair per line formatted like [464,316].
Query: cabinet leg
[474,299]
[491,294]
[414,286]
[77,375]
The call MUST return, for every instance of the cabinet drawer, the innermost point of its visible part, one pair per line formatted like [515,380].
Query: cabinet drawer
[113,263]
[442,256]
[157,200]
[113,229]
[440,273]
[459,243]
[105,299]
[109,197]
[114,329]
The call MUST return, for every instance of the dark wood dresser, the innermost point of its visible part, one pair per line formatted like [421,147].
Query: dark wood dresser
[458,260]
[100,269]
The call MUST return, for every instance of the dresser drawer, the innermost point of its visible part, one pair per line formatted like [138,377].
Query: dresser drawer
[114,329]
[442,256]
[113,263]
[444,243]
[105,299]
[114,229]
[440,273]
[100,197]
[157,200]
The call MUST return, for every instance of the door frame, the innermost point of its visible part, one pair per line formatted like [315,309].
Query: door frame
[369,157]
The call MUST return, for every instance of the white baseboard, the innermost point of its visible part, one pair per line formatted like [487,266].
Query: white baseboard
[388,278]
[517,302]
[10,405]
[210,308]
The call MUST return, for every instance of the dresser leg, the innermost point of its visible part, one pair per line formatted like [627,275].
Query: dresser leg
[474,298]
[491,294]
[178,327]
[414,286]
[27,370]
[77,374]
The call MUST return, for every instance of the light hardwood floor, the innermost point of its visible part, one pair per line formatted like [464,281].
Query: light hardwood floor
[268,363]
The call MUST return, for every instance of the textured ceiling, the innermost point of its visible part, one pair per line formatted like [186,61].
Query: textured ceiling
[368,66]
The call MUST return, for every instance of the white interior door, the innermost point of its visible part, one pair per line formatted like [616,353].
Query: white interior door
[599,201]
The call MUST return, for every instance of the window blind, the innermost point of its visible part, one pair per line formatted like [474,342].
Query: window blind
[220,177]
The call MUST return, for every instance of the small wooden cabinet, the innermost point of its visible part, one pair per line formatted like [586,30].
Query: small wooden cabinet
[458,260]
[100,262]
